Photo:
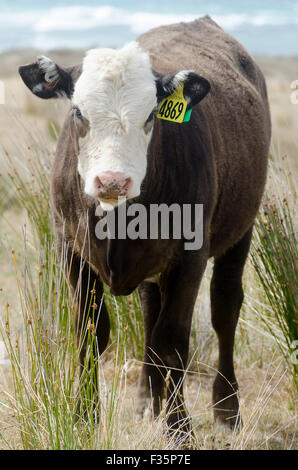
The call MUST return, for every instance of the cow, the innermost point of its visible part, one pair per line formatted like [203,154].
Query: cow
[114,151]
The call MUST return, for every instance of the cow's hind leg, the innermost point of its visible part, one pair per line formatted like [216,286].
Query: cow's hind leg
[226,302]
[151,382]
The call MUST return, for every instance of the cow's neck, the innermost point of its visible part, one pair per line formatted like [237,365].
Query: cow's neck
[175,153]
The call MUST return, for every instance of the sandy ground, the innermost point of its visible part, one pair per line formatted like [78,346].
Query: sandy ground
[21,113]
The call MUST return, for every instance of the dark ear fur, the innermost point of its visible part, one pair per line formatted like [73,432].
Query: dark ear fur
[47,80]
[196,87]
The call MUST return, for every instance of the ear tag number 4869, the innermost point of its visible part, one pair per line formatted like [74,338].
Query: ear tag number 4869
[174,107]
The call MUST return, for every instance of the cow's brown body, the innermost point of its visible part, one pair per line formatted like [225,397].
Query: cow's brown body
[218,159]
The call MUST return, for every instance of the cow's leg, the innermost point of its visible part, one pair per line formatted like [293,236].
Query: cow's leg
[88,292]
[170,336]
[226,301]
[151,382]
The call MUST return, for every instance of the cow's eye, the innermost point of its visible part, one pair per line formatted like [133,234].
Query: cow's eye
[78,114]
[82,123]
[150,118]
[149,123]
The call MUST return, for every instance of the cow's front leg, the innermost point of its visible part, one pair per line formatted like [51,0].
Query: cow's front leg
[170,336]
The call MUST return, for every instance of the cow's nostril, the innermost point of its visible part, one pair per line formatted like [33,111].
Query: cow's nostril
[126,183]
[98,184]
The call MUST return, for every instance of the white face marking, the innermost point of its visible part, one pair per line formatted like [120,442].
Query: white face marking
[115,93]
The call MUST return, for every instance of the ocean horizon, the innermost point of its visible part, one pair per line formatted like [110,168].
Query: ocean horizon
[264,27]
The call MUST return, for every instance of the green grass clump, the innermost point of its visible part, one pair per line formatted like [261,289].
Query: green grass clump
[274,257]
[55,408]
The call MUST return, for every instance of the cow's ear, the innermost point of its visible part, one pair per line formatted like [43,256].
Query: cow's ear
[195,89]
[46,79]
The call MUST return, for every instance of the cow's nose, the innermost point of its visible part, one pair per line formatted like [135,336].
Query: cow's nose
[111,185]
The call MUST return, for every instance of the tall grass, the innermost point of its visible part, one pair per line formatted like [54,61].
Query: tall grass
[45,358]
[274,257]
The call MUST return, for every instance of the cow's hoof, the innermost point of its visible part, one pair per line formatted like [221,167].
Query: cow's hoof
[227,422]
[182,438]
[145,414]
[143,406]
[182,443]
[146,406]
[179,430]
[226,404]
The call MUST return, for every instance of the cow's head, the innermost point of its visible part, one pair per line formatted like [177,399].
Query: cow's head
[114,103]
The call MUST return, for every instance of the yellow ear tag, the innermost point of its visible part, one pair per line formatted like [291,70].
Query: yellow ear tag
[173,108]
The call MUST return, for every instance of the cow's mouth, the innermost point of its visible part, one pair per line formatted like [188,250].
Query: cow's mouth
[121,285]
[110,204]
[122,290]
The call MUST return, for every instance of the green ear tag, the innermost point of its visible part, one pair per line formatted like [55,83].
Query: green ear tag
[187,115]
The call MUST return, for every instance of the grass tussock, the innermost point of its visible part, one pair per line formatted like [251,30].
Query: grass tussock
[274,257]
[44,355]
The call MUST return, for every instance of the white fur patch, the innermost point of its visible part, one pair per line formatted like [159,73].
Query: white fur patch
[116,92]
[37,88]
[179,78]
[49,68]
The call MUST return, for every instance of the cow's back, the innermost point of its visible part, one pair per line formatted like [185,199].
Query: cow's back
[237,111]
